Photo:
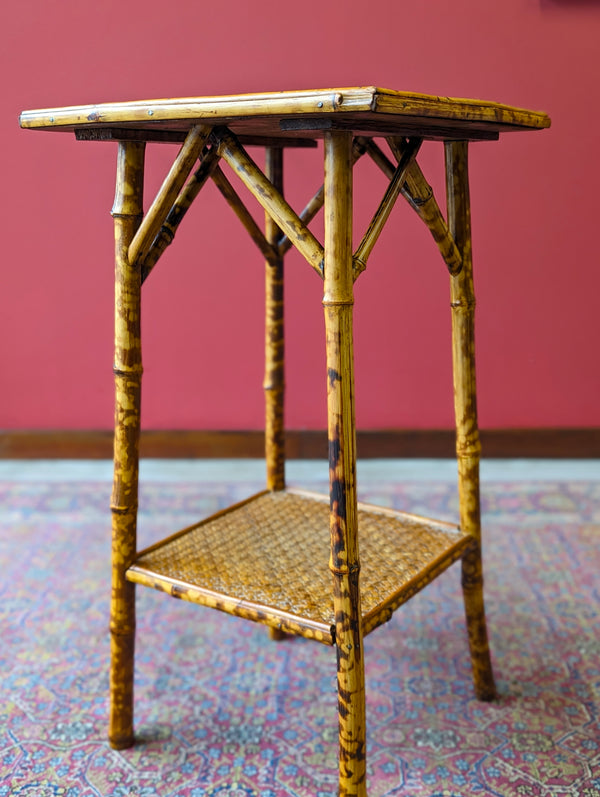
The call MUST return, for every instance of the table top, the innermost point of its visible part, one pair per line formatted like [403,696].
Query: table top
[292,114]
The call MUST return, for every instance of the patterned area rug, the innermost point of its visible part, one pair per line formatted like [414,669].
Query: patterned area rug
[223,711]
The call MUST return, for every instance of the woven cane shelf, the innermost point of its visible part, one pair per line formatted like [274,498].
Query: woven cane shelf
[266,559]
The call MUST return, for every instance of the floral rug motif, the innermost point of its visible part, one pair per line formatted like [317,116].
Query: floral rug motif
[222,711]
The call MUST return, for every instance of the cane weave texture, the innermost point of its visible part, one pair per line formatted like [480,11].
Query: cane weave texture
[266,559]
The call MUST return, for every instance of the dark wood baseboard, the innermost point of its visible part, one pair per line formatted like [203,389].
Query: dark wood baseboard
[302,444]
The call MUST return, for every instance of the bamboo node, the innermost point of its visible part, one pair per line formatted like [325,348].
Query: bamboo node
[122,510]
[117,215]
[339,572]
[419,201]
[134,370]
[167,231]
[463,304]
[468,449]
[337,302]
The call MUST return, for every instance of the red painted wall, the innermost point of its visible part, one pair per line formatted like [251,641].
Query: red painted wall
[534,215]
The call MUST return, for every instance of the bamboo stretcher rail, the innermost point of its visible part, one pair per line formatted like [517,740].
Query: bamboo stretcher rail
[420,197]
[180,207]
[315,204]
[270,199]
[163,202]
[382,213]
[243,214]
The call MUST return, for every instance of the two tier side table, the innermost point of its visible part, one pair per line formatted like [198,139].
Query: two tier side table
[324,567]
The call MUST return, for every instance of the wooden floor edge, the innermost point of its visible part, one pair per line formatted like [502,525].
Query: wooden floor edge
[563,443]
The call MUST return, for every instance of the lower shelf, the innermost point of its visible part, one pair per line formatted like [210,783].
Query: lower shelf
[266,559]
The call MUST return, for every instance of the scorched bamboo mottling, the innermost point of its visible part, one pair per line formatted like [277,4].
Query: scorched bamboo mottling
[468,447]
[274,382]
[338,301]
[285,558]
[127,214]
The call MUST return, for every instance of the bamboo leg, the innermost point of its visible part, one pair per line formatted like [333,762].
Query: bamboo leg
[274,384]
[468,447]
[127,214]
[344,560]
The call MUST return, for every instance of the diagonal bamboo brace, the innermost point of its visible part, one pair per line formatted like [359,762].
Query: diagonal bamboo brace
[163,202]
[385,207]
[420,197]
[308,213]
[316,202]
[243,214]
[270,198]
[180,207]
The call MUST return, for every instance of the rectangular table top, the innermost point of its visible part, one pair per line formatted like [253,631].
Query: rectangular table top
[293,114]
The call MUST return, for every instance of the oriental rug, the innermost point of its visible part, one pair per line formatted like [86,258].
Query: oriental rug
[222,711]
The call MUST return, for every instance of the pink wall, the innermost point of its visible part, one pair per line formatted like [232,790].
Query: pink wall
[534,195]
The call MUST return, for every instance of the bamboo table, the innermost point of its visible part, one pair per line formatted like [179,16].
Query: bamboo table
[271,559]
